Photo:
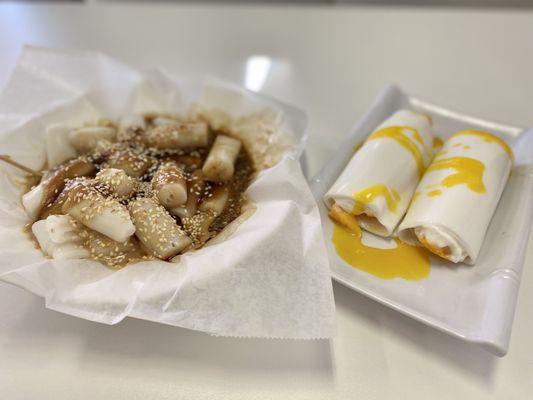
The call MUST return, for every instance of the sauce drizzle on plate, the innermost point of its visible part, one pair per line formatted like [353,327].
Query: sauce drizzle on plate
[404,261]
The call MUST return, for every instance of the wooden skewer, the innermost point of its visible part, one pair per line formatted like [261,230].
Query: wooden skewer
[30,171]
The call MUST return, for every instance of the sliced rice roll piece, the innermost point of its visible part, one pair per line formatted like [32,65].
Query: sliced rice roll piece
[156,228]
[107,216]
[220,163]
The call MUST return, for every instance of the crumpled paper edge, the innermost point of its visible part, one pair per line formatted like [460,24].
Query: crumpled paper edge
[58,105]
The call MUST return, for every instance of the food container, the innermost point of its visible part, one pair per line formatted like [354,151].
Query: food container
[268,276]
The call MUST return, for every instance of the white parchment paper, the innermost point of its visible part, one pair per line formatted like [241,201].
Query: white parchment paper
[270,278]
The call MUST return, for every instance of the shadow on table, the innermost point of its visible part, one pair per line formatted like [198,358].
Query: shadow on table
[133,340]
[471,360]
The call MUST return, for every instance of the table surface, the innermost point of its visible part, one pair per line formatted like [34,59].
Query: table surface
[330,62]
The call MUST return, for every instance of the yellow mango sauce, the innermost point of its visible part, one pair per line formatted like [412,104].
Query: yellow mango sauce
[489,138]
[468,171]
[369,194]
[396,133]
[437,143]
[407,262]
[434,193]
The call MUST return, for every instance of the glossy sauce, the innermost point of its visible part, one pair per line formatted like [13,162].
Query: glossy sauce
[369,194]
[396,133]
[434,193]
[405,261]
[437,143]
[468,171]
[489,138]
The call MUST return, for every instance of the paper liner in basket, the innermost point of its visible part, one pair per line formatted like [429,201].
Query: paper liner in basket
[268,278]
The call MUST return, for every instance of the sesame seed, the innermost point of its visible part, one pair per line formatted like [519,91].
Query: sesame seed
[129,174]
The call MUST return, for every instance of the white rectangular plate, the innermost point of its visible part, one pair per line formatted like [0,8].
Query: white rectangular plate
[474,303]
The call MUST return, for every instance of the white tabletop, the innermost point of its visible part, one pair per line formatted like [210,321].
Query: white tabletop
[331,62]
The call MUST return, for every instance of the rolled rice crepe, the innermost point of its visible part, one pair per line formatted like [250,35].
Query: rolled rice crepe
[457,196]
[379,181]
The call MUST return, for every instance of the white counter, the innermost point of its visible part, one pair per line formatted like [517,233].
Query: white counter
[331,62]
